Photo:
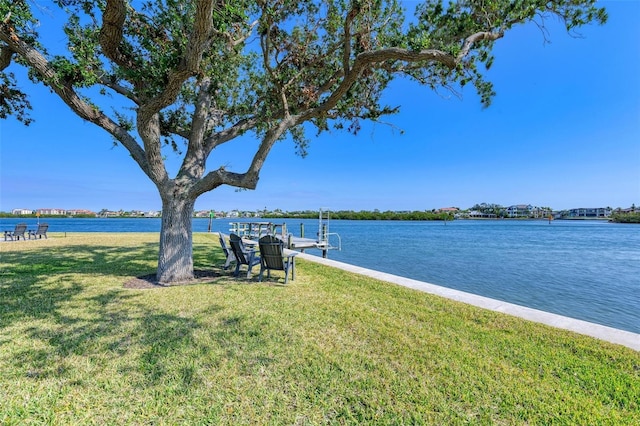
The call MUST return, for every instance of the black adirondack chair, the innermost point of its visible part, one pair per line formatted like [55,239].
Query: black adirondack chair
[243,256]
[40,232]
[274,258]
[18,232]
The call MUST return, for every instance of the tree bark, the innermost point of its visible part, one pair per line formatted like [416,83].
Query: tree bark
[175,259]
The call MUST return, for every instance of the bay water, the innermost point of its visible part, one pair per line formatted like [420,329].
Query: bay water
[588,270]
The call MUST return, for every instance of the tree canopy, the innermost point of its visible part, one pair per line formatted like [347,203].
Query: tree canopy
[191,76]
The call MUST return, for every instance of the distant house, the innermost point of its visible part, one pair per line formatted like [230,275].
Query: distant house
[541,212]
[475,214]
[151,213]
[51,212]
[631,209]
[596,212]
[202,213]
[20,212]
[109,213]
[449,210]
[520,210]
[80,212]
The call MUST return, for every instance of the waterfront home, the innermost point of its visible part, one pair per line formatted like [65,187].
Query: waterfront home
[520,210]
[51,212]
[20,212]
[474,214]
[598,212]
[453,210]
[83,212]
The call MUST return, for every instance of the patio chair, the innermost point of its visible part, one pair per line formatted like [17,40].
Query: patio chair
[243,256]
[42,230]
[274,257]
[16,233]
[227,251]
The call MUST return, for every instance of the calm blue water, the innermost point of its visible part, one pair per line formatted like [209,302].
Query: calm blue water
[582,269]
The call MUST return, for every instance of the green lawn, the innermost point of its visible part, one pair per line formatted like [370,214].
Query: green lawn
[77,347]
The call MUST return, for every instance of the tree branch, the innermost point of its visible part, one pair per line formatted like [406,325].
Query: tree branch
[346,54]
[365,59]
[199,38]
[149,131]
[230,133]
[148,119]
[6,54]
[108,82]
[66,92]
[248,179]
[269,139]
[221,177]
[233,42]
[111,32]
[265,46]
[471,40]
[190,63]
[194,160]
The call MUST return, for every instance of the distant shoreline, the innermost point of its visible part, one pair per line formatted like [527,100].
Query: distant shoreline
[299,217]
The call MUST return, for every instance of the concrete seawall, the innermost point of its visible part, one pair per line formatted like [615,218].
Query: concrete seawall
[609,334]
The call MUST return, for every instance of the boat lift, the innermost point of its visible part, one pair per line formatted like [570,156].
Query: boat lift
[255,230]
[323,242]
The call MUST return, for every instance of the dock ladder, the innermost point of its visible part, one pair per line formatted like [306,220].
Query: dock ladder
[324,234]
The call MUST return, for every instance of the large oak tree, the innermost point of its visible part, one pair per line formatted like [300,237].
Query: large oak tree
[194,75]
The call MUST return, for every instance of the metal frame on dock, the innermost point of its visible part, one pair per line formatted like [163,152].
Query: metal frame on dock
[255,230]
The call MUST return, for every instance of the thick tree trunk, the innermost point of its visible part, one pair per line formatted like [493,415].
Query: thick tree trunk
[175,260]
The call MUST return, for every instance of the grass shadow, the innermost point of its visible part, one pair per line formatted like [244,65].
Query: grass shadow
[65,307]
[35,284]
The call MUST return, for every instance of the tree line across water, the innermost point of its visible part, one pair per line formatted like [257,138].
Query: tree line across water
[633,217]
[367,215]
[620,217]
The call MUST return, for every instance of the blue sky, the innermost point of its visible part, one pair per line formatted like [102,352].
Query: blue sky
[563,131]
